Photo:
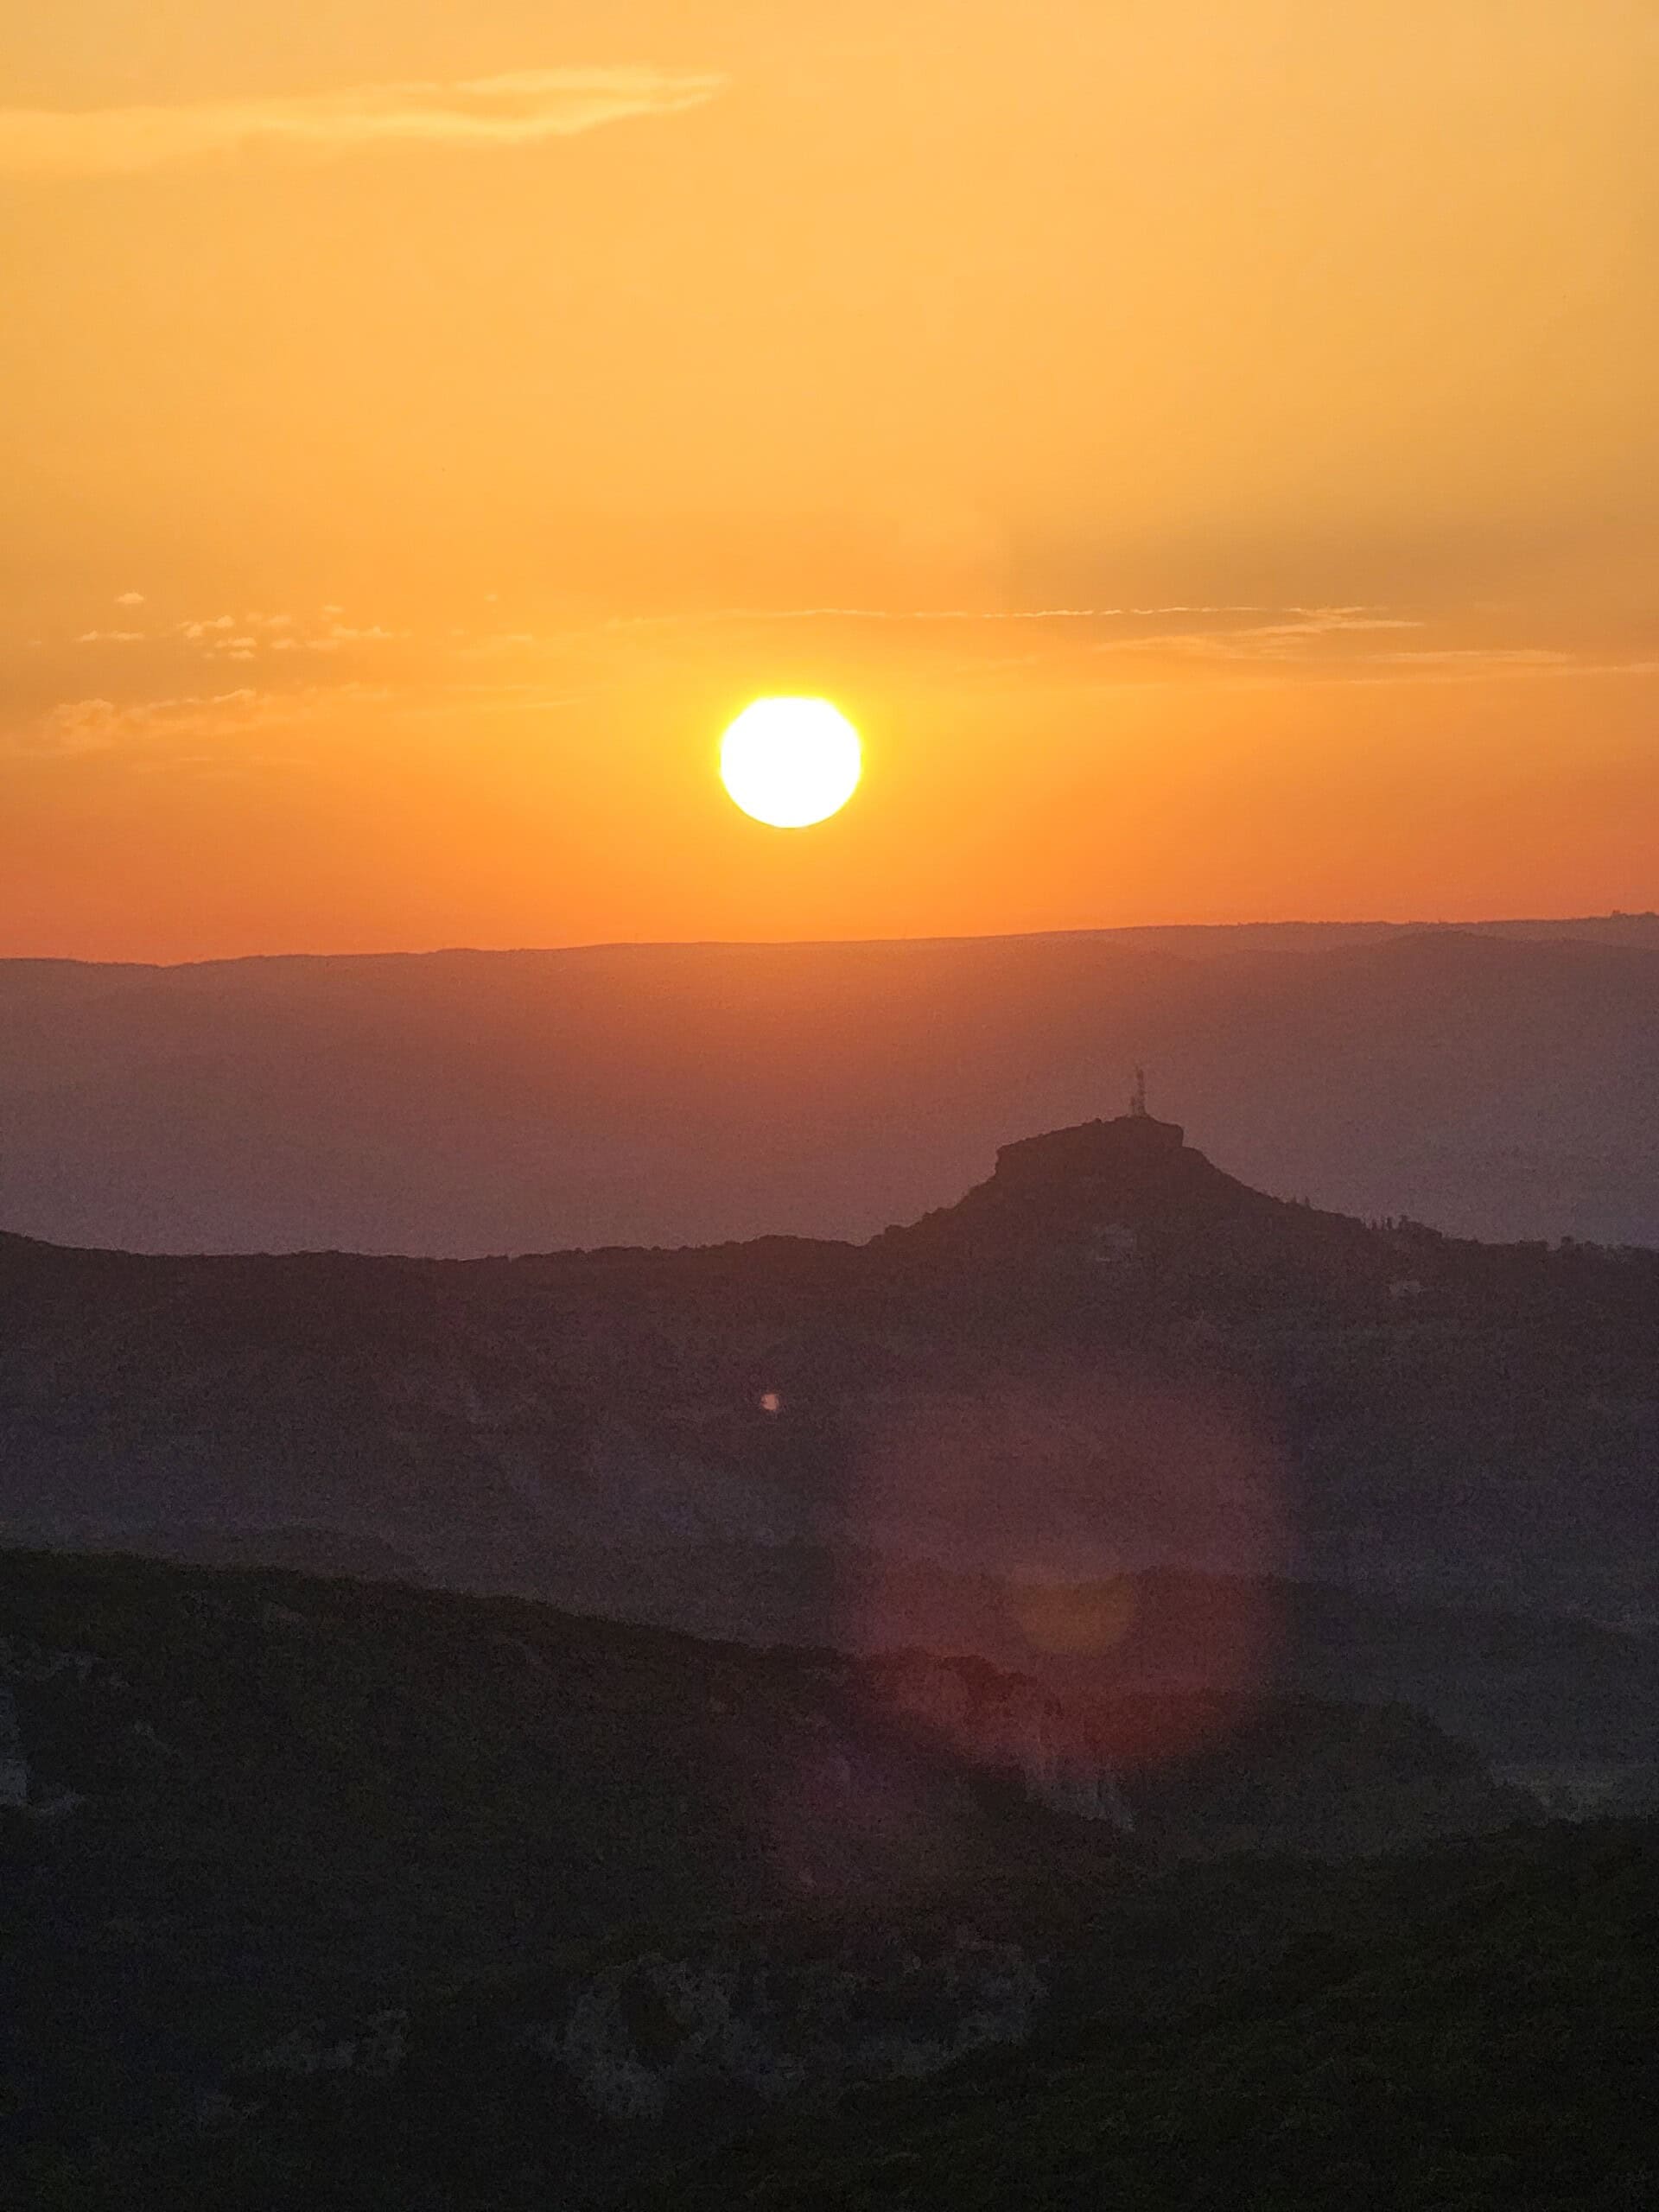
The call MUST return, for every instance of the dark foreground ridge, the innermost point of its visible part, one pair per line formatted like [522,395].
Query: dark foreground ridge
[328,1893]
[1473,2029]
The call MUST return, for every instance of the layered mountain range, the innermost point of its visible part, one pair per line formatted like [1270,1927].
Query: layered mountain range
[1113,1413]
[1107,1520]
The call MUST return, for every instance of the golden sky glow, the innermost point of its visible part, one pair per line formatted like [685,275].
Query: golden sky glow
[1209,448]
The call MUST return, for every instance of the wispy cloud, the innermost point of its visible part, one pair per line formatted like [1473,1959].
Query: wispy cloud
[96,725]
[240,636]
[78,726]
[1479,665]
[1485,656]
[1284,639]
[970,616]
[523,109]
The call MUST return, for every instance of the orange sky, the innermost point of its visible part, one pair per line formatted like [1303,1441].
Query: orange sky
[1210,447]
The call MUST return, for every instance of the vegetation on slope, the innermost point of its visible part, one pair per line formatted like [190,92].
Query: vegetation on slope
[259,1806]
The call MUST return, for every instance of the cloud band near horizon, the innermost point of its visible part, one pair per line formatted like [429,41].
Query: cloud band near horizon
[525,108]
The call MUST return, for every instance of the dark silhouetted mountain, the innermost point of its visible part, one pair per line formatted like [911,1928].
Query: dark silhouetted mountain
[1501,1082]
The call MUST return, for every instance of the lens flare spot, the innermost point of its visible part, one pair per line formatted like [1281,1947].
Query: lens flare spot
[1074,1619]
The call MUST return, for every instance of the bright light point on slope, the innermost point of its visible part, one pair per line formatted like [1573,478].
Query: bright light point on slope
[790,762]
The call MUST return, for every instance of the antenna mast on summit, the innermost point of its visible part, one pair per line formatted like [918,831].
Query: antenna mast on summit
[1138,1101]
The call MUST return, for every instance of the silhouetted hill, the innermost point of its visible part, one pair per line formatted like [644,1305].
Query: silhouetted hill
[1502,1083]
[1130,1203]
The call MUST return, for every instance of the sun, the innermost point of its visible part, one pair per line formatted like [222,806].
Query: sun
[792,762]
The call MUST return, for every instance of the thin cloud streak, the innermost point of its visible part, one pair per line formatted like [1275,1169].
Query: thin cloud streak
[967,614]
[1331,616]
[1283,640]
[1378,671]
[523,109]
[82,725]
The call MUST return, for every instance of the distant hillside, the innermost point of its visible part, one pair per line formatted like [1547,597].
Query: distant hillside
[1500,1084]
[1568,1706]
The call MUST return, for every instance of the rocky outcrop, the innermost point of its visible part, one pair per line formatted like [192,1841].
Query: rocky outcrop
[726,2024]
[21,1787]
[14,1767]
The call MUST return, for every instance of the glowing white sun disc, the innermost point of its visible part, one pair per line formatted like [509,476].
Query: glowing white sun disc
[790,762]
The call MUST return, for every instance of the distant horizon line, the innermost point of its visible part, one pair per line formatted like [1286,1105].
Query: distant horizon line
[1379,925]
